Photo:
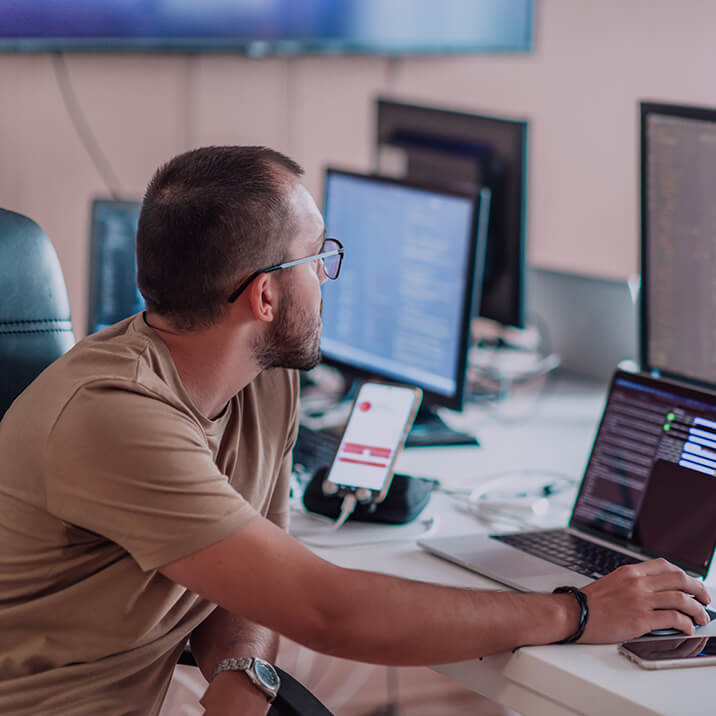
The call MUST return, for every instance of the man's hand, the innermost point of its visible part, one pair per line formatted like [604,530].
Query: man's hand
[638,598]
[231,693]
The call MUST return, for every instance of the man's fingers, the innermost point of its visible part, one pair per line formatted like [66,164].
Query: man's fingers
[670,619]
[679,581]
[683,603]
[666,576]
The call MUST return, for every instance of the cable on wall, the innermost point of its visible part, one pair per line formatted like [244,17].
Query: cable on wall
[82,127]
[186,102]
[393,67]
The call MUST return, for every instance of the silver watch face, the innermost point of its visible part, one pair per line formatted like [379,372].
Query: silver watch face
[266,674]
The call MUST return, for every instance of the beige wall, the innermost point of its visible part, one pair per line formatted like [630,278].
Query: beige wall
[579,89]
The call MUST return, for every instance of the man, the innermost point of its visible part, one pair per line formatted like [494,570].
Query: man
[145,479]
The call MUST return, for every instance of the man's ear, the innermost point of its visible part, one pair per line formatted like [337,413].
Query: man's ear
[262,298]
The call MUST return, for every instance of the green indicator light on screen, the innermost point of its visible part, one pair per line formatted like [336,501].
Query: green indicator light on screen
[670,417]
[667,426]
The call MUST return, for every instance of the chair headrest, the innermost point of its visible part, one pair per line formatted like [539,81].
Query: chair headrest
[35,321]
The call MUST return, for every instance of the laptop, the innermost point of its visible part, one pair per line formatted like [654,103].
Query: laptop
[590,322]
[648,490]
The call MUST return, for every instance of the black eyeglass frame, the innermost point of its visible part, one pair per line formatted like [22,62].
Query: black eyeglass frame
[288,264]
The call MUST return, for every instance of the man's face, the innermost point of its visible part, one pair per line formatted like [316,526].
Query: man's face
[294,338]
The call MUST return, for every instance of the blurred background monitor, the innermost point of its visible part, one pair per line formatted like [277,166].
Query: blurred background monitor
[265,27]
[590,322]
[113,292]
[402,306]
[463,151]
[678,242]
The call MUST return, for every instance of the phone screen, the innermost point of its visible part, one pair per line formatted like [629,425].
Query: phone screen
[373,435]
[686,647]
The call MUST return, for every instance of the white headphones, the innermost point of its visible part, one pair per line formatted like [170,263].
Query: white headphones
[517,496]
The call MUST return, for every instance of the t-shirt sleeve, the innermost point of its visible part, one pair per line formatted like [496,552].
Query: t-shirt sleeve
[137,471]
[279,509]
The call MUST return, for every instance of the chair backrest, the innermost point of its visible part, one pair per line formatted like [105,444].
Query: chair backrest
[35,324]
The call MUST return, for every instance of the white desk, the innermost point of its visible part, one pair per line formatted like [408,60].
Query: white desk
[554,433]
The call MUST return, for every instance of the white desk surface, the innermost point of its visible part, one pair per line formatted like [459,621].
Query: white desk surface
[553,433]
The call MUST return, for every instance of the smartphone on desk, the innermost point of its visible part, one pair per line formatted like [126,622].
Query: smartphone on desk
[380,419]
[671,653]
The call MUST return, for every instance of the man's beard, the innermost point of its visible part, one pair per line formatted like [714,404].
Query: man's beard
[294,341]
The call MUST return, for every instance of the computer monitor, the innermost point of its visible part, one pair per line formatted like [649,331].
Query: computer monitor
[465,150]
[401,308]
[678,242]
[113,292]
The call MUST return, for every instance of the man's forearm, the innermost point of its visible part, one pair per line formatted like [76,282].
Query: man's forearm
[394,621]
[223,635]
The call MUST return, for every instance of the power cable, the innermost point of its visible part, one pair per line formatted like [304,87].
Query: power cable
[84,132]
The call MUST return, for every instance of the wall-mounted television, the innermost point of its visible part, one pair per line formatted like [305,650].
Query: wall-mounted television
[263,27]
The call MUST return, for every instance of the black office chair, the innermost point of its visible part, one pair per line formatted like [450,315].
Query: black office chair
[35,324]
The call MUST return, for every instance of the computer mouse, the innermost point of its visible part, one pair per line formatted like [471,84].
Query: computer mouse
[676,632]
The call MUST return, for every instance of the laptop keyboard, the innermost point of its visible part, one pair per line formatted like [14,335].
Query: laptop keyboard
[567,550]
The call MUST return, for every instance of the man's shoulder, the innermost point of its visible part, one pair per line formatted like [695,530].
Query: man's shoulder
[283,379]
[116,358]
[274,393]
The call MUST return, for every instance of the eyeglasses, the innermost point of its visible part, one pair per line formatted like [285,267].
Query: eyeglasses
[331,257]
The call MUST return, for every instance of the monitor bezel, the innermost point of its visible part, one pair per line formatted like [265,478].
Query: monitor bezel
[93,253]
[516,314]
[473,275]
[680,111]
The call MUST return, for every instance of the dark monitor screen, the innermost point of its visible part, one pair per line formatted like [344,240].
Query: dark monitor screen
[678,242]
[463,150]
[651,478]
[261,27]
[401,307]
[113,292]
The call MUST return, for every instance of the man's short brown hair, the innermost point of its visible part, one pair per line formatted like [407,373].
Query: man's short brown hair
[209,218]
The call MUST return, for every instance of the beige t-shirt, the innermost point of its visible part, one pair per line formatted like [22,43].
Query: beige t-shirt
[107,472]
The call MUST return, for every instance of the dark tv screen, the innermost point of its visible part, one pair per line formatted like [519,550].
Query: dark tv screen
[259,27]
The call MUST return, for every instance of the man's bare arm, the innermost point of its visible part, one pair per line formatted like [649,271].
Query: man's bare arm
[275,581]
[223,635]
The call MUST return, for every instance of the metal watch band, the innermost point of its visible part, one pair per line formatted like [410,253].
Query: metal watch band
[246,664]
[231,664]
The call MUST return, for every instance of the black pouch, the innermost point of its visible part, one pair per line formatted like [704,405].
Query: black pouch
[406,499]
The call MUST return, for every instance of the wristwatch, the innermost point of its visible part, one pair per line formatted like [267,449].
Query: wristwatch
[262,674]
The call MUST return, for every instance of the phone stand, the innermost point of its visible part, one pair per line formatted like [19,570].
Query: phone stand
[406,499]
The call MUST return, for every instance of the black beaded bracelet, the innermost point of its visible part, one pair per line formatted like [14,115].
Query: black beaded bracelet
[583,617]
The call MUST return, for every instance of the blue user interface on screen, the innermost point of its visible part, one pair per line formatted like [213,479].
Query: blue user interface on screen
[397,308]
[263,26]
[113,267]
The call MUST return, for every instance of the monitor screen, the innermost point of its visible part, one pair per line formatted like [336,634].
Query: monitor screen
[678,242]
[113,292]
[401,308]
[259,27]
[463,150]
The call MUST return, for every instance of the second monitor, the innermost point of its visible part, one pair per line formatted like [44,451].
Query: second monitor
[401,308]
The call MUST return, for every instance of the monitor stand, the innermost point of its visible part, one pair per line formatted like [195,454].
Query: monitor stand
[429,430]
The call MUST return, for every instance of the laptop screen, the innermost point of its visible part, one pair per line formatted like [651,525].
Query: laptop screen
[650,482]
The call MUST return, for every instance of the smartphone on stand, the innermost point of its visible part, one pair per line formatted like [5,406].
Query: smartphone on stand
[380,419]
[671,653]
